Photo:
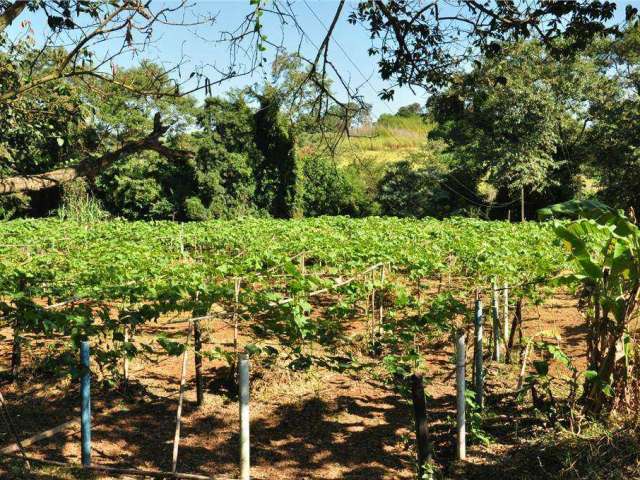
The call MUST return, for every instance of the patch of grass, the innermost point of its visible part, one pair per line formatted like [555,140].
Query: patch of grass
[390,140]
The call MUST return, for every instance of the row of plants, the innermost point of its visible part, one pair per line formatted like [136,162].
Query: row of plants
[95,280]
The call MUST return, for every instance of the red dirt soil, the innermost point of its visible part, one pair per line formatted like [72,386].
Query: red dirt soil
[319,424]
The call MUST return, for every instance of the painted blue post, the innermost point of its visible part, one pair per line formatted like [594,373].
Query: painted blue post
[85,393]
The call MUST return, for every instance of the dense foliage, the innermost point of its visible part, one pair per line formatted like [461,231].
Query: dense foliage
[100,277]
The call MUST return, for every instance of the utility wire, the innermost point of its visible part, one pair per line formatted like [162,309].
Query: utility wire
[479,202]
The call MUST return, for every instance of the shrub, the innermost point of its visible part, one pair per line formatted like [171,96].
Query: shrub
[329,190]
[409,191]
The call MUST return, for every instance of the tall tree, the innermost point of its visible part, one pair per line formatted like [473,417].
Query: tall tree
[615,133]
[278,174]
[519,119]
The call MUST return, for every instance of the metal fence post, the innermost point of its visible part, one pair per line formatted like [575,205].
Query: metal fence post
[243,380]
[461,449]
[85,393]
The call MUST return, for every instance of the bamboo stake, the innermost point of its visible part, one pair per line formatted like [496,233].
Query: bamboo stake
[523,367]
[505,314]
[373,310]
[176,436]
[70,427]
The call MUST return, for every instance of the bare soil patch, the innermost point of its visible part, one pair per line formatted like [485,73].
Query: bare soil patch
[319,424]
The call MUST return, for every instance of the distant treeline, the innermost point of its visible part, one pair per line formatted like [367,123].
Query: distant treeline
[526,123]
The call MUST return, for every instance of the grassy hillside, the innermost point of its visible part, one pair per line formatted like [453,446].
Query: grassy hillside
[388,140]
[368,150]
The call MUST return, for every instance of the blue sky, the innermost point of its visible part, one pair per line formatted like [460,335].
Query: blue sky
[348,49]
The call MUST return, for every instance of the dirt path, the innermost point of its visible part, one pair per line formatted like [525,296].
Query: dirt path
[320,424]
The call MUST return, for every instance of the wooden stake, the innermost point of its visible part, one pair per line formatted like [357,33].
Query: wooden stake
[496,324]
[14,432]
[16,353]
[423,441]
[461,447]
[68,427]
[176,436]
[505,313]
[523,368]
[125,369]
[197,356]
[515,324]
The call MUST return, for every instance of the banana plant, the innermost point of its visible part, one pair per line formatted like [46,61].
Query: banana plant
[604,246]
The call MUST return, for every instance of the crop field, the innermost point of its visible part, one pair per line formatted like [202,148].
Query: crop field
[335,313]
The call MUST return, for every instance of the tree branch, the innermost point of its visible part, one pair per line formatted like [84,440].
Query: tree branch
[92,167]
[11,12]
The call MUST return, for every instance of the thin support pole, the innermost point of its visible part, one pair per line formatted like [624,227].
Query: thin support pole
[16,352]
[505,313]
[14,431]
[478,368]
[373,310]
[423,441]
[85,406]
[197,355]
[517,321]
[497,354]
[381,298]
[523,368]
[176,436]
[243,380]
[461,447]
[303,268]
[125,369]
